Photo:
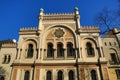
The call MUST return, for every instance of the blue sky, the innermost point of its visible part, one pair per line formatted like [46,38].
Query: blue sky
[15,14]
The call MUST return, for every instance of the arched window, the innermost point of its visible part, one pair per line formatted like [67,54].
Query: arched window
[110,43]
[93,75]
[9,58]
[90,50]
[71,75]
[60,50]
[5,59]
[105,44]
[60,75]
[113,58]
[50,51]
[27,75]
[30,51]
[70,51]
[49,75]
[2,78]
[118,73]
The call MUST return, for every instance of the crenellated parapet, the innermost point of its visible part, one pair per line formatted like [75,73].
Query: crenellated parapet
[30,30]
[8,45]
[90,29]
[58,16]
[46,19]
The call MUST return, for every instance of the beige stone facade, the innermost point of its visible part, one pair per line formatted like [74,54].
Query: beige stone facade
[60,49]
[111,48]
[7,56]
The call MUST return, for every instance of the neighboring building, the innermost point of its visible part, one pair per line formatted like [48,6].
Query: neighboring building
[117,35]
[111,48]
[7,55]
[61,49]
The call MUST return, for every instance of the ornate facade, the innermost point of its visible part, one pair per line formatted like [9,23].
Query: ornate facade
[59,49]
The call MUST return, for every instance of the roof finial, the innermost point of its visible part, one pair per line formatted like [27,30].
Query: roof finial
[41,10]
[76,8]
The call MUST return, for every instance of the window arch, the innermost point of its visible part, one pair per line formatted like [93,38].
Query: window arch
[9,58]
[27,75]
[50,51]
[113,58]
[71,75]
[60,75]
[90,49]
[49,75]
[110,43]
[30,51]
[5,59]
[70,51]
[105,44]
[2,78]
[93,75]
[60,50]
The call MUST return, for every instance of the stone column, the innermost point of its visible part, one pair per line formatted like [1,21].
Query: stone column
[18,74]
[31,74]
[99,44]
[18,53]
[22,74]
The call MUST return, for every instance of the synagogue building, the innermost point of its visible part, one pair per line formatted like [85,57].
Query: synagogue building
[60,48]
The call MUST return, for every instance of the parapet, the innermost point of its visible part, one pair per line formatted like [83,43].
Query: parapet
[7,44]
[57,16]
[90,29]
[31,30]
[28,29]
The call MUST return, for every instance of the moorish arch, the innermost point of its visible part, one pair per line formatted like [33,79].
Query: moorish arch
[49,34]
[114,57]
[92,40]
[59,36]
[89,47]
[113,50]
[29,47]
[28,40]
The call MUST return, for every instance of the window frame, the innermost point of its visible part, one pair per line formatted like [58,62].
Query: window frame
[70,50]
[9,58]
[5,59]
[49,77]
[29,52]
[50,50]
[94,75]
[27,75]
[113,59]
[117,73]
[2,78]
[60,75]
[60,50]
[71,76]
[90,50]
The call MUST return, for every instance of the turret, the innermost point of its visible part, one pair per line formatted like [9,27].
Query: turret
[77,18]
[40,19]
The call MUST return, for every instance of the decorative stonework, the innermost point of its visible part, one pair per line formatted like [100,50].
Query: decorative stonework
[59,33]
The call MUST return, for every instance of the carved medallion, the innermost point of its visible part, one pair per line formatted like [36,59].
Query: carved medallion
[59,33]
